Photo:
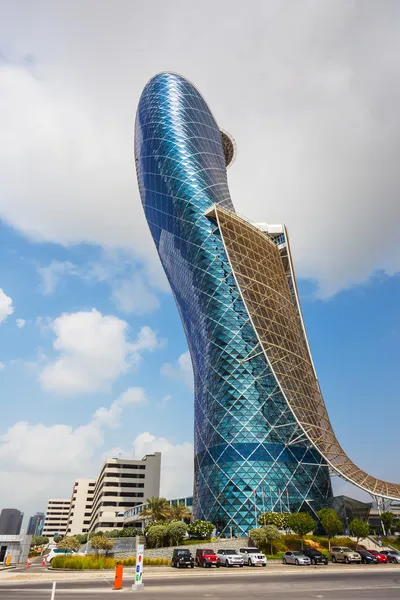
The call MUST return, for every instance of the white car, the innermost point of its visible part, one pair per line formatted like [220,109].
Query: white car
[58,552]
[253,557]
[230,558]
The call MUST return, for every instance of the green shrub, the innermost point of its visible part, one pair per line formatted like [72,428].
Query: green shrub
[176,531]
[157,536]
[200,529]
[272,518]
[101,562]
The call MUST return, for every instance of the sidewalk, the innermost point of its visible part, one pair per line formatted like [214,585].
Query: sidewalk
[273,568]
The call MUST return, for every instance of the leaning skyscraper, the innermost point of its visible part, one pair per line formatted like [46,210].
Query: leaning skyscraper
[263,439]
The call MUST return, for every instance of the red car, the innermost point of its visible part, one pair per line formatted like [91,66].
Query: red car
[205,557]
[382,558]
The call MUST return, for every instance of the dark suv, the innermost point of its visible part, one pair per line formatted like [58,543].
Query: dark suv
[316,557]
[182,558]
[205,557]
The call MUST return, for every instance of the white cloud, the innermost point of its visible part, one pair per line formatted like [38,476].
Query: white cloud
[176,463]
[20,323]
[51,274]
[112,415]
[315,120]
[134,297]
[180,371]
[131,295]
[2,366]
[6,307]
[94,350]
[51,449]
[165,400]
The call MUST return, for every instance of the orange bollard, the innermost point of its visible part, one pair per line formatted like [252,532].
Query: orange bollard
[118,577]
[43,563]
[28,563]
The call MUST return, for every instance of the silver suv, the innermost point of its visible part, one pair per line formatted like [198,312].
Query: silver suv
[344,554]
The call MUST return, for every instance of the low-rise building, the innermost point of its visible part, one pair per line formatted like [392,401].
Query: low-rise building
[14,549]
[81,506]
[123,484]
[56,519]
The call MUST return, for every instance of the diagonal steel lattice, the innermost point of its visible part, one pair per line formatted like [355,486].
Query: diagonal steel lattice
[258,268]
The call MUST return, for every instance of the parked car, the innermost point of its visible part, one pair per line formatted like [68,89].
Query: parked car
[316,557]
[253,557]
[392,555]
[182,557]
[367,558]
[295,558]
[57,552]
[344,554]
[382,558]
[205,557]
[230,558]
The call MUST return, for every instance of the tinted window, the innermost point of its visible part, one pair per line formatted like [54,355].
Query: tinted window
[208,551]
[230,552]
[297,553]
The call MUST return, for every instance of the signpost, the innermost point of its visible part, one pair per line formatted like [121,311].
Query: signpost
[138,585]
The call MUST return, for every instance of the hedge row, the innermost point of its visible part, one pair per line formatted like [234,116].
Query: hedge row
[101,562]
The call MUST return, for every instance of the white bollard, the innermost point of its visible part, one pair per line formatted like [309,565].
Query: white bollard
[53,591]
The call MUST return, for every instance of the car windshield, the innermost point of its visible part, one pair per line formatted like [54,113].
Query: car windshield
[297,553]
[182,552]
[208,551]
[252,550]
[345,549]
[230,552]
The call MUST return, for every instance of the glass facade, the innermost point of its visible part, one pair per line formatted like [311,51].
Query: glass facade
[249,453]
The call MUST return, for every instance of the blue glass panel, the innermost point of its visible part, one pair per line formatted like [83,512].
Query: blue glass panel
[243,425]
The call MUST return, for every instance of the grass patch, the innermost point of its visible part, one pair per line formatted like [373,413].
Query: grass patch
[93,563]
[193,541]
[392,541]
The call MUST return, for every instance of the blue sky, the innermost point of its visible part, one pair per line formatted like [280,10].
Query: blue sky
[87,319]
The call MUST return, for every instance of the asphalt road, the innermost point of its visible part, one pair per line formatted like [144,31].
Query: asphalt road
[342,585]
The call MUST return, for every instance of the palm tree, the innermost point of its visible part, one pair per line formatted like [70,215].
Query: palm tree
[180,511]
[157,509]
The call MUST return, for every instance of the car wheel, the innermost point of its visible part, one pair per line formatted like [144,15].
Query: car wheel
[264,564]
[249,562]
[226,563]
[333,559]
[192,566]
[284,561]
[218,565]
[346,560]
[297,562]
